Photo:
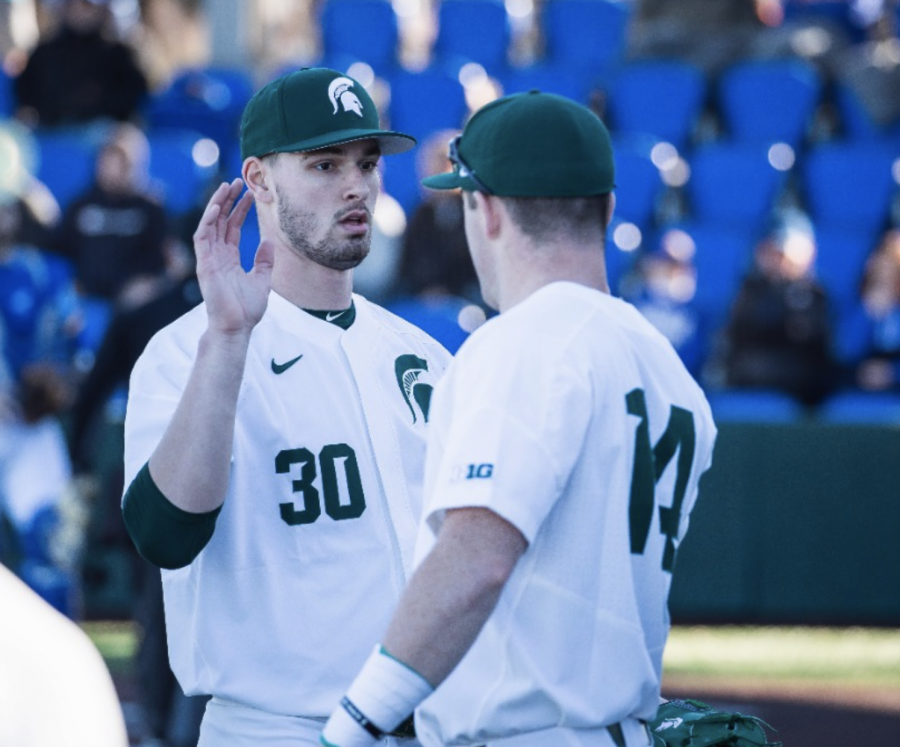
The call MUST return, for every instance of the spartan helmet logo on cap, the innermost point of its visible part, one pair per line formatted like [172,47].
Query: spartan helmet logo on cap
[340,94]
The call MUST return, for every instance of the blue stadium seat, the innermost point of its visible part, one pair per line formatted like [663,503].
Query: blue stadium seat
[841,257]
[401,179]
[852,334]
[856,407]
[620,262]
[249,239]
[849,184]
[664,98]
[439,317]
[231,163]
[97,314]
[639,187]
[361,30]
[838,14]
[425,102]
[857,122]
[422,103]
[765,101]
[66,161]
[722,257]
[53,585]
[585,35]
[549,78]
[207,99]
[175,168]
[473,31]
[7,99]
[754,406]
[733,184]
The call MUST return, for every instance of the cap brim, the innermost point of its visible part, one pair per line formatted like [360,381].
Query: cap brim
[449,180]
[390,142]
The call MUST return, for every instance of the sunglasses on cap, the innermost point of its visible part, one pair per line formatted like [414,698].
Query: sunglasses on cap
[462,168]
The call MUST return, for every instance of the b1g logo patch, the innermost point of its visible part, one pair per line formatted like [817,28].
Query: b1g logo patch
[412,372]
[460,472]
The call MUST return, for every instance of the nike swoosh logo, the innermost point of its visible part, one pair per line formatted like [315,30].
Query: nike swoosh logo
[332,315]
[280,368]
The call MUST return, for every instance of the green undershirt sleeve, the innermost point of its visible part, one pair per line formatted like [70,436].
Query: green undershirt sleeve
[164,534]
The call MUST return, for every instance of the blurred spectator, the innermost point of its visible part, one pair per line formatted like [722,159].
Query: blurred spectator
[167,713]
[80,73]
[39,310]
[435,259]
[779,332]
[662,287]
[880,366]
[666,29]
[39,318]
[115,232]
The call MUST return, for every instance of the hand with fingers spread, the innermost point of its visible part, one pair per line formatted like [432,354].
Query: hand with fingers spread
[235,299]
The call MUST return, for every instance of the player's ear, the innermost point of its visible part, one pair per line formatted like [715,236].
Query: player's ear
[492,210]
[254,173]
[610,208]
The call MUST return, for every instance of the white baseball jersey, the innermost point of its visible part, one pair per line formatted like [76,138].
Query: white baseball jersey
[571,417]
[315,539]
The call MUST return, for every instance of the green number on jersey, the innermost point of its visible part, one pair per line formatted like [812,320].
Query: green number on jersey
[649,464]
[312,506]
[328,459]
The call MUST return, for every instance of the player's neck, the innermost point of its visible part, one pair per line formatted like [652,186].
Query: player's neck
[520,279]
[309,285]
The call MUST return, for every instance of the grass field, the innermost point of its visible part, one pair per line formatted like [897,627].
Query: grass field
[773,659]
[847,668]
[853,656]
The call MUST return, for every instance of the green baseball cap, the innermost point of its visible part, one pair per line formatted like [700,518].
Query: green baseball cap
[531,145]
[313,108]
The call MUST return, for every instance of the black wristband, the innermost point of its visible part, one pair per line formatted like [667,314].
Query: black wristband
[360,718]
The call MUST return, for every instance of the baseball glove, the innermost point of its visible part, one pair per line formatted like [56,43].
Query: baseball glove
[690,723]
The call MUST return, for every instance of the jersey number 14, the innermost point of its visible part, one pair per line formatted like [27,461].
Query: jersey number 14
[649,464]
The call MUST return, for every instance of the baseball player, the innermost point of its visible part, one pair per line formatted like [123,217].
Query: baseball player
[564,451]
[274,437]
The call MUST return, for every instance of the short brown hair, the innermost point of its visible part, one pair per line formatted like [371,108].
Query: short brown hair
[546,218]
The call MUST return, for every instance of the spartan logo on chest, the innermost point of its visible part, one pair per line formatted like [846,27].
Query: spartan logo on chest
[342,98]
[412,373]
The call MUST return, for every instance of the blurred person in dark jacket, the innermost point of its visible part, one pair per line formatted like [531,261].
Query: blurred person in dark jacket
[779,332]
[115,232]
[434,258]
[80,73]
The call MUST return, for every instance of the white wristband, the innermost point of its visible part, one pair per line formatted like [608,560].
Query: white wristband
[384,693]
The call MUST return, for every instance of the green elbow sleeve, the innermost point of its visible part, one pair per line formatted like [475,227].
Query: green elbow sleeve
[164,534]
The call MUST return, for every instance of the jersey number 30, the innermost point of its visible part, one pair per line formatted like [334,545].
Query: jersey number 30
[649,464]
[329,458]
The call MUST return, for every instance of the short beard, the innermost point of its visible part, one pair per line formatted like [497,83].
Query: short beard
[330,253]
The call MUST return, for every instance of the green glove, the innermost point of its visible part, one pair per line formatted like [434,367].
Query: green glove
[690,723]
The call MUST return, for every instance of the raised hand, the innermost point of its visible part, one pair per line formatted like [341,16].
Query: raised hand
[235,299]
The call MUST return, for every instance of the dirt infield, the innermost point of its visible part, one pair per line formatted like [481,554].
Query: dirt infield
[812,716]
